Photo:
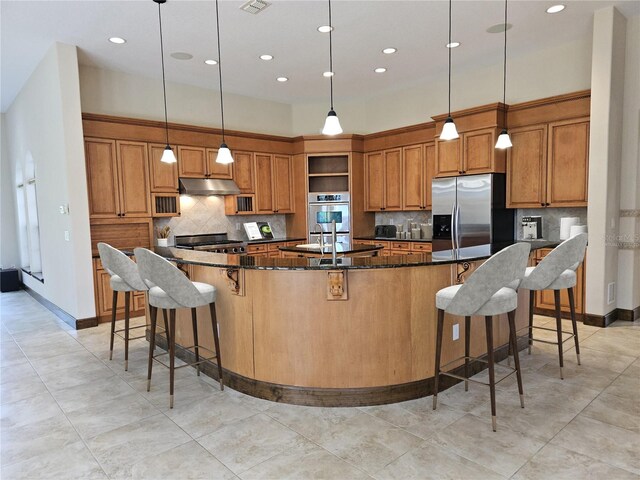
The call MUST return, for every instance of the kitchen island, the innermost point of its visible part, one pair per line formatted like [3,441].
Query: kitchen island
[360,332]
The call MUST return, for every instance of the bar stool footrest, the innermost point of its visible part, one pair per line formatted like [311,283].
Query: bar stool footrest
[476,359]
[202,360]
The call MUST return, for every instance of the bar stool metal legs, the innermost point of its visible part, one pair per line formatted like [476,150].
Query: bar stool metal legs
[532,301]
[172,353]
[488,322]
[556,295]
[513,339]
[114,306]
[572,308]
[467,344]
[153,314]
[216,341]
[436,379]
[194,325]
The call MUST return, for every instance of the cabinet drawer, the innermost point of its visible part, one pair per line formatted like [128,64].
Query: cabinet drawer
[400,245]
[257,248]
[382,244]
[423,247]
[364,242]
[273,247]
[275,254]
[138,301]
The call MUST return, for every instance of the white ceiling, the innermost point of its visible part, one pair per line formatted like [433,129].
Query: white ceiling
[286,30]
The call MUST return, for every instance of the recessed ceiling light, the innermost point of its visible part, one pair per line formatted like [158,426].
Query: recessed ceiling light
[282,79]
[453,45]
[117,40]
[182,56]
[389,50]
[211,62]
[380,70]
[325,29]
[327,74]
[555,8]
[499,28]
[266,57]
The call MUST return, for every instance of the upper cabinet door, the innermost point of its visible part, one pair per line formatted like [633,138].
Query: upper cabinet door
[430,171]
[526,167]
[448,158]
[568,163]
[264,183]
[102,178]
[218,170]
[243,171]
[374,181]
[393,179]
[135,198]
[478,151]
[282,184]
[164,176]
[413,177]
[192,162]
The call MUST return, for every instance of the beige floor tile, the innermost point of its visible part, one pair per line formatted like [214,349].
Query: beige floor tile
[625,386]
[604,442]
[30,410]
[304,461]
[556,462]
[117,450]
[504,451]
[78,359]
[117,412]
[19,371]
[619,343]
[586,376]
[367,442]
[25,442]
[75,376]
[72,461]
[189,461]
[208,413]
[21,388]
[246,443]
[429,461]
[617,411]
[86,394]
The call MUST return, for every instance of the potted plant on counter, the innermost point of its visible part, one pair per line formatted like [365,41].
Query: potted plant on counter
[162,235]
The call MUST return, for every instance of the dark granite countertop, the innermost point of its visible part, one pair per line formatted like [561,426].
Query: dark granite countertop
[276,240]
[220,260]
[341,248]
[388,239]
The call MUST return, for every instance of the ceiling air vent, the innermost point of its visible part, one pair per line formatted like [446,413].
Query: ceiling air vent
[254,6]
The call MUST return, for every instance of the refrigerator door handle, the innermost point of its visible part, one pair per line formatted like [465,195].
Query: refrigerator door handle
[457,221]
[453,227]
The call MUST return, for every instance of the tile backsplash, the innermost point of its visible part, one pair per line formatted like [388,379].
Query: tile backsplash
[550,220]
[205,214]
[397,218]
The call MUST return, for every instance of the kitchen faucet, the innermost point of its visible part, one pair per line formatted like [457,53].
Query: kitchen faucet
[321,235]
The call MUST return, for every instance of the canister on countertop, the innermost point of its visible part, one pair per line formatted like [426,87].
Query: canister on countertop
[426,231]
[398,235]
[415,233]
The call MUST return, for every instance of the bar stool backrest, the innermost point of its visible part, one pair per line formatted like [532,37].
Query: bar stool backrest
[157,271]
[566,256]
[502,269]
[117,263]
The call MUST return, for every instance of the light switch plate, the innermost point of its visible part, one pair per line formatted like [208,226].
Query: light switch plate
[456,331]
[66,235]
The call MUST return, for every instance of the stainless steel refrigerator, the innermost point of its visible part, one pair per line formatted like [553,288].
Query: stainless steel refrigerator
[469,211]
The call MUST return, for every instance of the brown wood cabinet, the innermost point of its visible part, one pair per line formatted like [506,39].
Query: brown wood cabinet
[243,173]
[383,180]
[548,165]
[218,170]
[104,297]
[163,176]
[200,162]
[473,153]
[117,178]
[274,183]
[418,163]
[545,299]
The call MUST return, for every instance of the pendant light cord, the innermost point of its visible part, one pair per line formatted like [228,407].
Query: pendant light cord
[220,69]
[331,54]
[449,48]
[504,74]
[164,86]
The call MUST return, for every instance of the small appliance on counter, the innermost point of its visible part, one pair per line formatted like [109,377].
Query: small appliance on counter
[385,231]
[531,228]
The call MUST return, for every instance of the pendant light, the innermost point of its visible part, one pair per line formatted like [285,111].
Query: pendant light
[224,154]
[449,131]
[332,123]
[503,140]
[167,155]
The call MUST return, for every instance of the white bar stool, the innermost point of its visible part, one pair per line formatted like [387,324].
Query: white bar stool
[486,293]
[170,289]
[124,278]
[556,272]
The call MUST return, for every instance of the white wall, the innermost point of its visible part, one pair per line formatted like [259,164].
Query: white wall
[121,94]
[544,73]
[629,256]
[9,253]
[45,120]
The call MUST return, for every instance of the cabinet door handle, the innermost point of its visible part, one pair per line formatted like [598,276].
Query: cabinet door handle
[542,204]
[123,214]
[548,204]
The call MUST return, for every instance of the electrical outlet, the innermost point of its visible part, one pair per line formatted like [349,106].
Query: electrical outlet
[611,293]
[456,331]
[238,226]
[66,235]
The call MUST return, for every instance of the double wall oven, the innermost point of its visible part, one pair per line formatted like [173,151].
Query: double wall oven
[323,209]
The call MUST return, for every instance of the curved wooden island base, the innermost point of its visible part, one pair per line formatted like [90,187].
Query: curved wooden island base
[291,335]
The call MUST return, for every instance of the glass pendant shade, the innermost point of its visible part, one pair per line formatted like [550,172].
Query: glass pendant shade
[224,154]
[332,124]
[168,156]
[449,131]
[503,140]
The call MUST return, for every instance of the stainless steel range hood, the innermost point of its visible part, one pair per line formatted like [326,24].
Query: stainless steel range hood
[208,186]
